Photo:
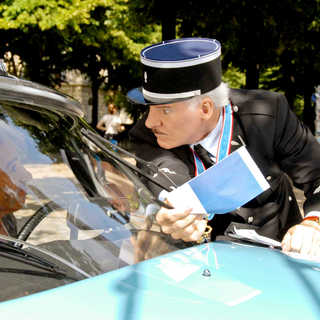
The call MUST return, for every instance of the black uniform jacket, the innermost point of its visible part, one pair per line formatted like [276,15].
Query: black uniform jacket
[279,143]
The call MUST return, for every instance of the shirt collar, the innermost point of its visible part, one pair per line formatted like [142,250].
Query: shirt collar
[210,142]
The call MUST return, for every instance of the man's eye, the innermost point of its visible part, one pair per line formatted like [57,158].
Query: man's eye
[166,110]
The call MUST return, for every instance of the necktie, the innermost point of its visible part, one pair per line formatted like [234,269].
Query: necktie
[204,155]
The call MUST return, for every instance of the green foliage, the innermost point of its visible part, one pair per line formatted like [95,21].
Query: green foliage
[234,77]
[42,126]
[47,14]
[101,38]
[298,106]
[267,44]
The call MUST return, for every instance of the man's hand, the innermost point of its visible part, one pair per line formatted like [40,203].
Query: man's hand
[183,226]
[303,238]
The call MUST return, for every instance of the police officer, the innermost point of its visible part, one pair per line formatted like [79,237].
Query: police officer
[188,106]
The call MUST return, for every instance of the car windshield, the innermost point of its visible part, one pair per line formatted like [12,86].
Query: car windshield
[60,192]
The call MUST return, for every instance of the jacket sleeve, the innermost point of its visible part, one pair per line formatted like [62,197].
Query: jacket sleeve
[298,153]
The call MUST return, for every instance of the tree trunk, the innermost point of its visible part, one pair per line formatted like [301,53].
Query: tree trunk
[252,75]
[95,102]
[290,95]
[308,111]
[168,20]
[308,89]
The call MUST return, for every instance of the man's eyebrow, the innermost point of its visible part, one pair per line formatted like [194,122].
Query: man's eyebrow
[163,106]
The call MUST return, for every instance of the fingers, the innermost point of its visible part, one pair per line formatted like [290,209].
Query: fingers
[192,232]
[168,217]
[173,224]
[303,238]
[307,244]
[181,225]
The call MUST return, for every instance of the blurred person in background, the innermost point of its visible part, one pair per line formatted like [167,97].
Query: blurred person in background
[110,123]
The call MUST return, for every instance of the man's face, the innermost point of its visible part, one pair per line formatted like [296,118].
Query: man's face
[175,124]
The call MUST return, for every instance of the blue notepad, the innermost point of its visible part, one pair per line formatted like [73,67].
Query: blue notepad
[222,188]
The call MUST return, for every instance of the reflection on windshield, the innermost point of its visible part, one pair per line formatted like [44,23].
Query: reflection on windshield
[13,177]
[59,191]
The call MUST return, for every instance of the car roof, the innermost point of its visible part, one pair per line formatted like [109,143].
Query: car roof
[13,89]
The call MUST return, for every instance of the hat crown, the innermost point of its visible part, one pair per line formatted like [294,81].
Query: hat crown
[181,53]
[181,50]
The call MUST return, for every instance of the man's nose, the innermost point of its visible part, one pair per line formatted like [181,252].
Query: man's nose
[152,120]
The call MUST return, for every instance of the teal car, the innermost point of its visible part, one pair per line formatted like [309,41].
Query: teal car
[78,238]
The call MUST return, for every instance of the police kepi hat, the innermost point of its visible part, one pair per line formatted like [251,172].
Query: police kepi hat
[178,69]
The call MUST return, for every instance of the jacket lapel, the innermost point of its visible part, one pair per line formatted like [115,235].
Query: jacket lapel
[238,139]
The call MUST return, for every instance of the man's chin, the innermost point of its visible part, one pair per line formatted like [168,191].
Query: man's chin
[165,145]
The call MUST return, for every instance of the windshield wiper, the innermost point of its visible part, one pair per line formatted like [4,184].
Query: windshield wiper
[100,142]
[9,248]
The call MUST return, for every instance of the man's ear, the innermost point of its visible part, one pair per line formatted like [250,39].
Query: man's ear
[207,108]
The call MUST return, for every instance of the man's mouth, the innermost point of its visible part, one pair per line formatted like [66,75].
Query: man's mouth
[158,133]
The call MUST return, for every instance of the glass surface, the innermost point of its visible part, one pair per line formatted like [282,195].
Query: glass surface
[60,192]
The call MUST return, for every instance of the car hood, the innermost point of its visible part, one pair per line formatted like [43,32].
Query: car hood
[222,280]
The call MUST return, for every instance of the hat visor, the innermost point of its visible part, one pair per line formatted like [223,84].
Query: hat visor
[136,96]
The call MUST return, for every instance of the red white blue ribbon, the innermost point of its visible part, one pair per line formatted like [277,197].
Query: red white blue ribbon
[198,164]
[225,138]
